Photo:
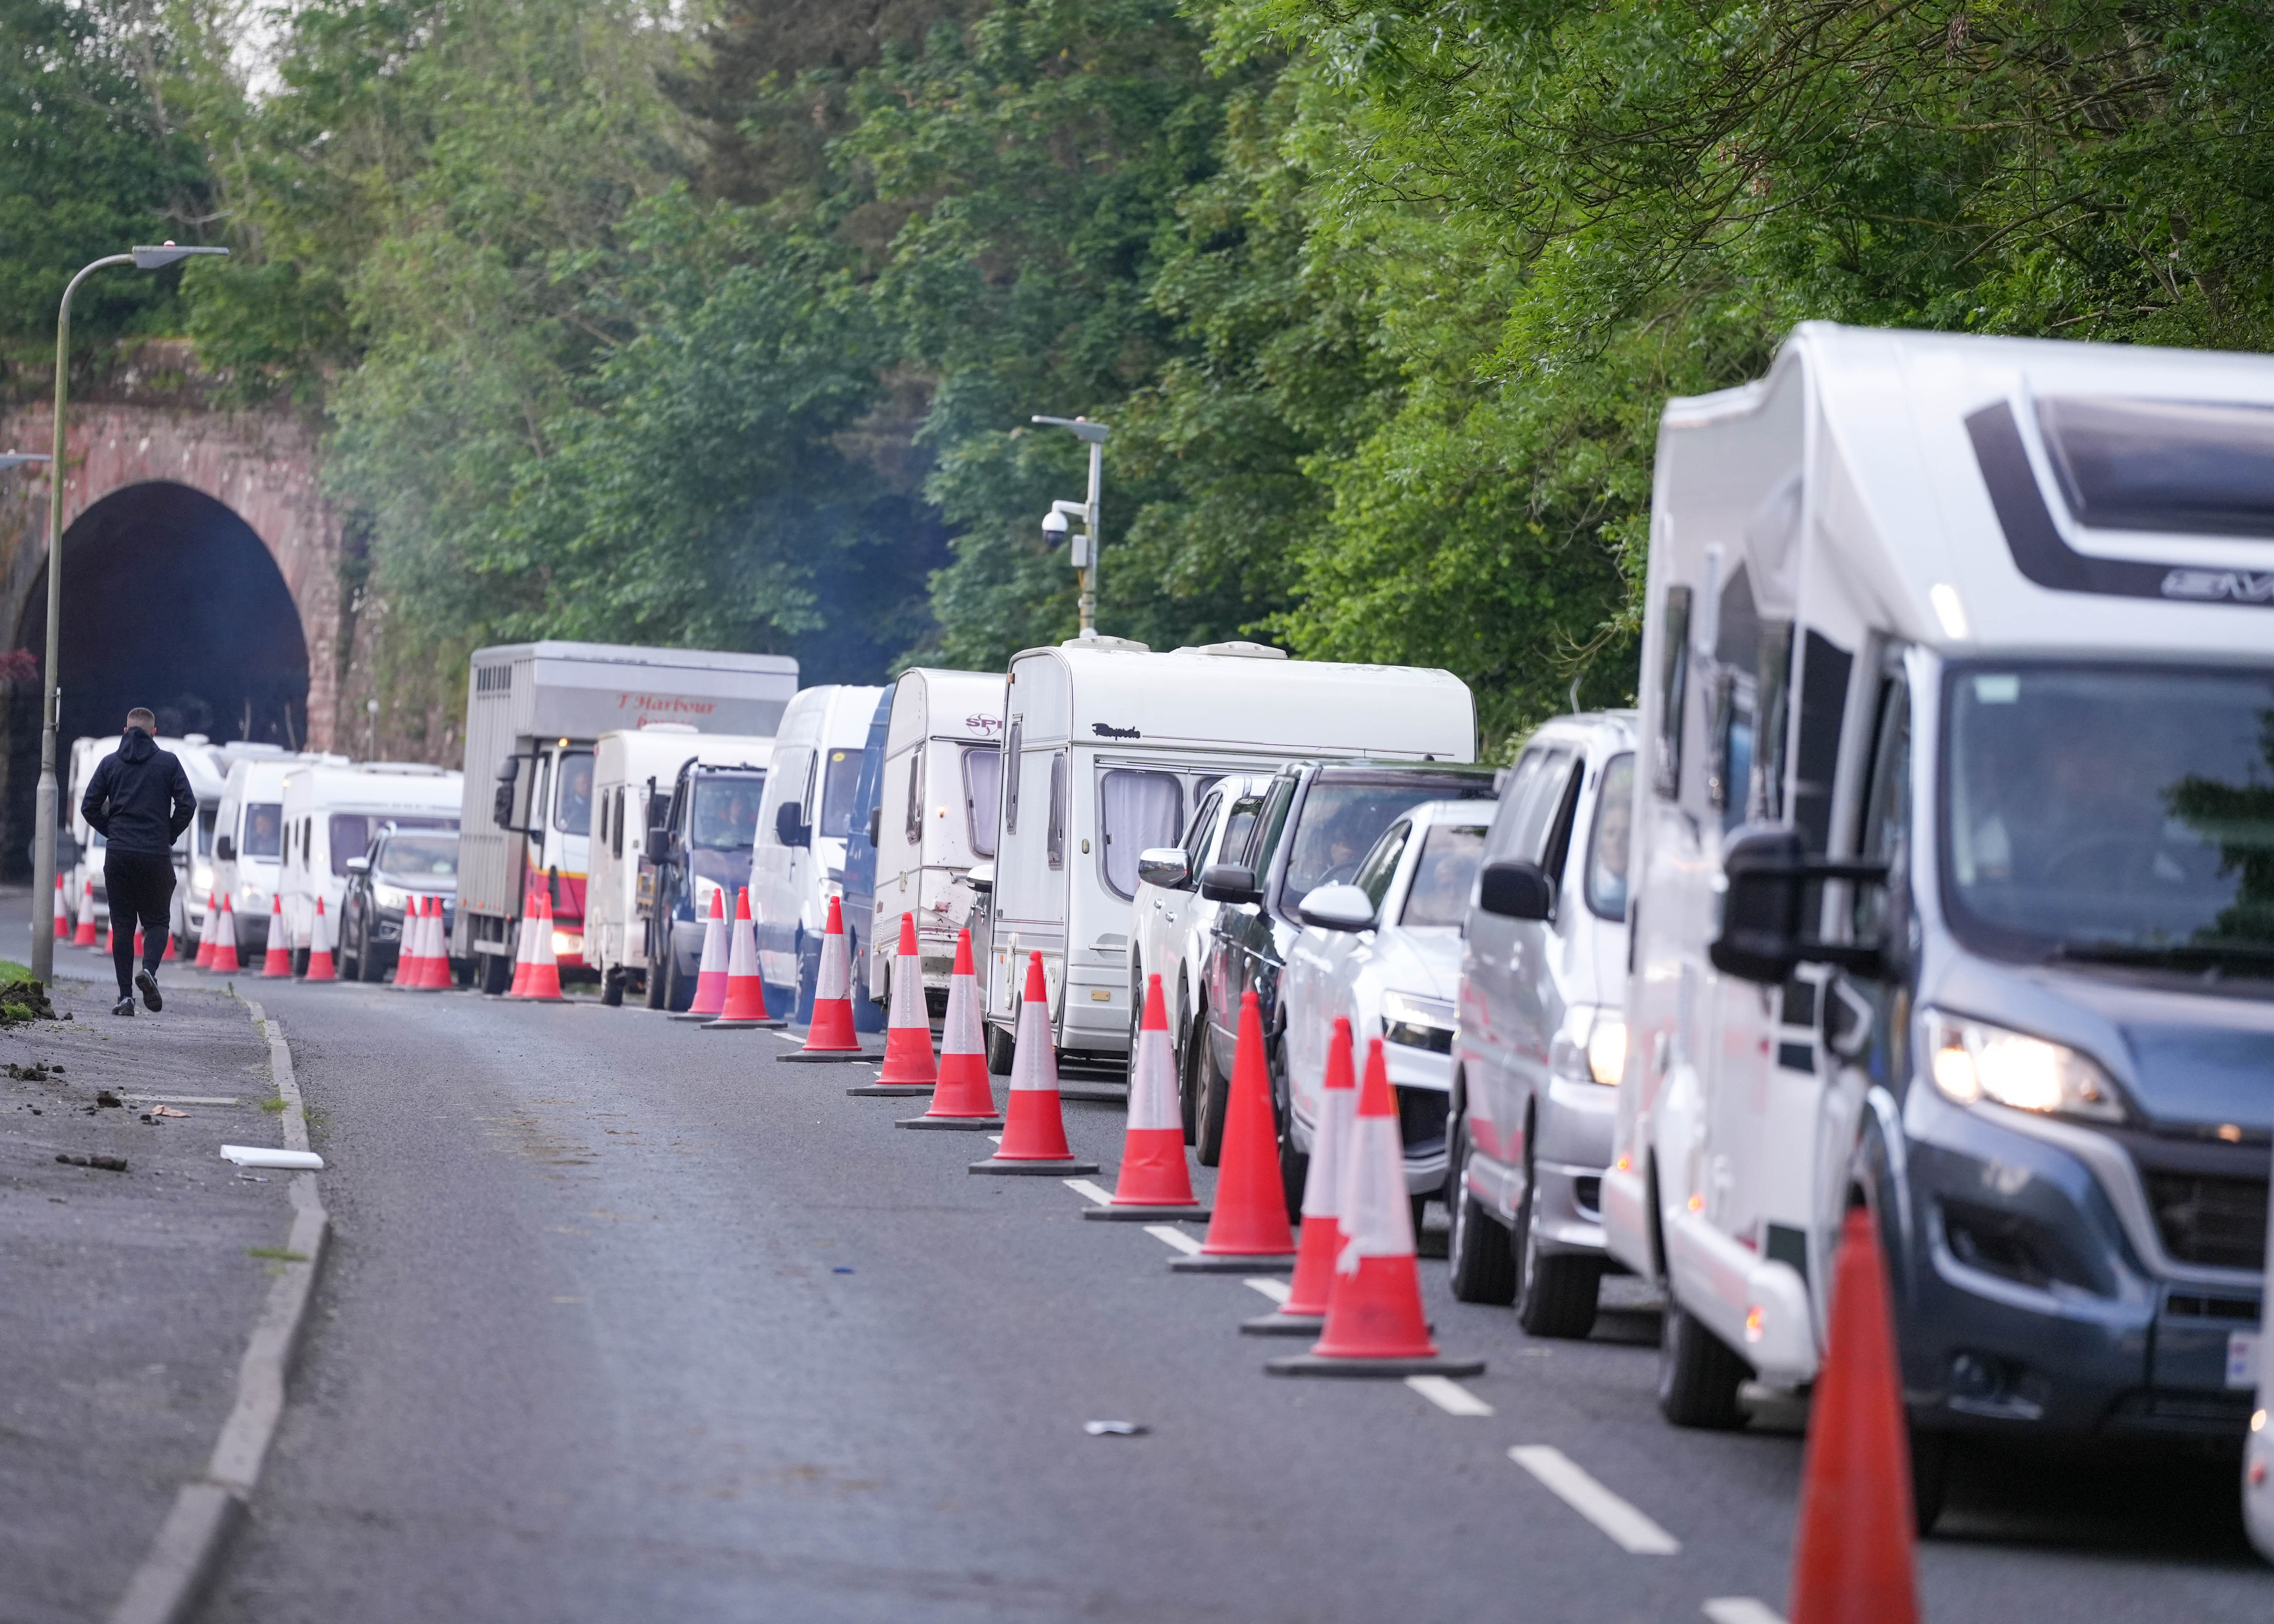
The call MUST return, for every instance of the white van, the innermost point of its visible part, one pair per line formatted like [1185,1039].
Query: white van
[249,842]
[1108,747]
[1955,669]
[331,813]
[799,860]
[634,774]
[936,818]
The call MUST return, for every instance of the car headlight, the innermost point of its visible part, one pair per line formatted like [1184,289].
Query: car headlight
[1972,1060]
[704,889]
[389,897]
[1592,1045]
[1417,1022]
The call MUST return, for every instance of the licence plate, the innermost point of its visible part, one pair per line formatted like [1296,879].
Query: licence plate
[2242,1358]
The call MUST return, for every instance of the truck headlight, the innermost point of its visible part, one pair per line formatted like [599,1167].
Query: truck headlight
[1972,1060]
[1592,1046]
[704,889]
[1417,1022]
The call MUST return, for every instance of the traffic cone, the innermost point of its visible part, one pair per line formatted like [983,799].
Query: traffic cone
[909,1066]
[1249,1233]
[172,955]
[964,1100]
[1852,1561]
[63,922]
[1155,1184]
[523,939]
[278,959]
[439,977]
[203,960]
[710,974]
[1375,1325]
[320,968]
[543,969]
[1034,1126]
[138,942]
[411,948]
[225,958]
[831,1037]
[745,1008]
[83,936]
[110,936]
[1304,1313]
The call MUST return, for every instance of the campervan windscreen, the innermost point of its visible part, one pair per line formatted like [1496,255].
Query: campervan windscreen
[2100,813]
[726,814]
[982,789]
[841,774]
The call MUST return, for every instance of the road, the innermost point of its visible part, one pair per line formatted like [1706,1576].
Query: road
[629,1321]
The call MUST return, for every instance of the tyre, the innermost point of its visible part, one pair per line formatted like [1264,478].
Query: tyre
[1294,1173]
[611,989]
[654,987]
[1556,1292]
[1002,1049]
[1213,1096]
[1187,1096]
[678,993]
[497,974]
[1930,1455]
[1482,1266]
[1697,1374]
[351,963]
[368,967]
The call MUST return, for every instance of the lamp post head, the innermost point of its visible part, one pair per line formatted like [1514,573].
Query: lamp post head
[159,258]
[1092,434]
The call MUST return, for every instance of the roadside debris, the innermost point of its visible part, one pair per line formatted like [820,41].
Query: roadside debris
[108,1164]
[1116,1429]
[24,1000]
[103,1096]
[38,1071]
[157,1111]
[263,1156]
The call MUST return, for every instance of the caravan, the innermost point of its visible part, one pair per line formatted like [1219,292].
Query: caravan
[936,816]
[331,813]
[798,863]
[1949,881]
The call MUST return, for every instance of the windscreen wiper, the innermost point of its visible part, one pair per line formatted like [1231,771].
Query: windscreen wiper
[2227,958]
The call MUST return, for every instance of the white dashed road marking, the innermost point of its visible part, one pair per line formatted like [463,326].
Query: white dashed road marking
[1276,1289]
[1168,1235]
[1449,1396]
[1628,1528]
[1082,1187]
[1742,1610]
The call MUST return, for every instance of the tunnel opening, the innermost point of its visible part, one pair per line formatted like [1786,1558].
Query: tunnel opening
[170,600]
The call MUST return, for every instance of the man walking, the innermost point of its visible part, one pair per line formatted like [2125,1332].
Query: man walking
[140,801]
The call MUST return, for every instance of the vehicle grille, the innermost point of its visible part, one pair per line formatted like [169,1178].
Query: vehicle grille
[2218,1222]
[1420,1120]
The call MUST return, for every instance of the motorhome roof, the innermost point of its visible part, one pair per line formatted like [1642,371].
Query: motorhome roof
[1987,494]
[623,654]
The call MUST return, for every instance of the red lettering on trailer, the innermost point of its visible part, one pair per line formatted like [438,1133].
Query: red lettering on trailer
[670,704]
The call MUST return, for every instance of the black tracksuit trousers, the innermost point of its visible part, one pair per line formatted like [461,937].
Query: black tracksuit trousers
[141,888]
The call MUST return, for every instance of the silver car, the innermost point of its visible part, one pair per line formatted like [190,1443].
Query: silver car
[1541,1034]
[1385,951]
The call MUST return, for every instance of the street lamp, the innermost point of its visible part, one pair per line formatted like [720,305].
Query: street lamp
[43,814]
[1054,523]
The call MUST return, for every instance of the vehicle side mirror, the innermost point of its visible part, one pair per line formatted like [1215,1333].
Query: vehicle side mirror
[981,878]
[225,848]
[1232,882]
[876,824]
[1166,866]
[1338,907]
[789,825]
[358,865]
[1515,889]
[659,844]
[1766,874]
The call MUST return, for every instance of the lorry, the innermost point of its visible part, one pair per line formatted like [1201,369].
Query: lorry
[1948,884]
[331,813]
[533,713]
[934,819]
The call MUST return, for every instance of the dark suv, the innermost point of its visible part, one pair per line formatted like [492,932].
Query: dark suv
[400,865]
[1317,821]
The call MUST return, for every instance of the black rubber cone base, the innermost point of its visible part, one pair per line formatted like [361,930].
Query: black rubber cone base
[1284,1325]
[951,1124]
[1323,1365]
[828,1057]
[890,1091]
[1147,1214]
[1202,1263]
[689,1016]
[743,1026]
[996,1164]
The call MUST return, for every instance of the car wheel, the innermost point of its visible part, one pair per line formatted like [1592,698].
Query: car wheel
[677,993]
[1556,1292]
[1294,1175]
[1483,1268]
[1186,1106]
[368,967]
[1931,1454]
[1002,1049]
[1698,1375]
[654,991]
[350,964]
[1212,1093]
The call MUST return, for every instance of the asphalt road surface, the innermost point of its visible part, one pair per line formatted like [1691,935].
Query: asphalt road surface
[629,1321]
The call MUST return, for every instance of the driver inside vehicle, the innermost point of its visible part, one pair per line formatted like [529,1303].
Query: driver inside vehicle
[725,822]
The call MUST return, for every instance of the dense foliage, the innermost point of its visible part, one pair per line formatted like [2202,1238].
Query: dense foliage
[727,331]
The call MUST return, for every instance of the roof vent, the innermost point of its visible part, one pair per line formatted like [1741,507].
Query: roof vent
[1238,650]
[668,727]
[1110,645]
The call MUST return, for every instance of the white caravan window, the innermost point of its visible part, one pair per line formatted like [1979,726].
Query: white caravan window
[1010,750]
[1673,683]
[982,785]
[1135,810]
[912,822]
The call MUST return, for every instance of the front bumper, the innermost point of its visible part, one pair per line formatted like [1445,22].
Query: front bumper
[1571,1146]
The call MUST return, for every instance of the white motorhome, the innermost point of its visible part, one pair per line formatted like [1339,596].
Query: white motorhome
[331,813]
[1107,746]
[943,761]
[1949,880]
[249,844]
[636,774]
[533,711]
[87,847]
[798,863]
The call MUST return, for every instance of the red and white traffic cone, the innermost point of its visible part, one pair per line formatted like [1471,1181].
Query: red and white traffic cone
[1304,1313]
[278,959]
[544,968]
[964,1099]
[410,947]
[1155,1184]
[83,936]
[320,968]
[1852,1562]
[63,911]
[440,977]
[710,973]
[138,942]
[172,955]
[524,935]
[910,1067]
[110,936]
[1375,1325]
[205,933]
[831,1037]
[1034,1123]
[745,1009]
[1249,1233]
[225,958]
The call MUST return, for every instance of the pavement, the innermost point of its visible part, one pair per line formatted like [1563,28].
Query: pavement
[623,1319]
[127,1295]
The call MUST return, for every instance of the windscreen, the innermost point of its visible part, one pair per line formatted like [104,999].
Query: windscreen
[264,830]
[2108,815]
[982,789]
[1135,811]
[1607,842]
[572,808]
[1442,875]
[725,813]
[1340,823]
[840,777]
[416,860]
[205,830]
[351,831]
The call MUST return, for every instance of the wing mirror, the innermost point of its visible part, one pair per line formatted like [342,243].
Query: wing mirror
[502,804]
[1338,907]
[1166,866]
[789,825]
[981,877]
[659,844]
[358,865]
[1232,882]
[1767,875]
[225,848]
[1514,889]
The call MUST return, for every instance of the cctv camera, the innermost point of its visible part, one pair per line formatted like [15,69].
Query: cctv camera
[1054,528]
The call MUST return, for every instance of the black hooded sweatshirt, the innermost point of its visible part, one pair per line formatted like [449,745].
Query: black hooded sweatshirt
[139,798]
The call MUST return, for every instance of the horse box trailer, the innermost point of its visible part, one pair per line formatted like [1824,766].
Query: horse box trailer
[533,712]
